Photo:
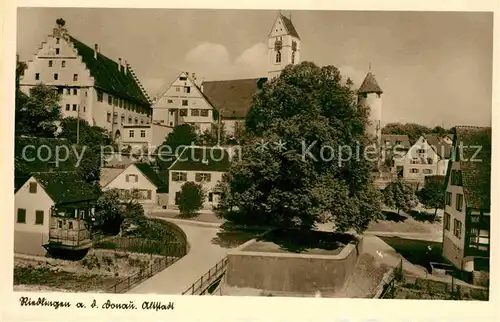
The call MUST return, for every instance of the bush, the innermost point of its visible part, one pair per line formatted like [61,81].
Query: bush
[190,198]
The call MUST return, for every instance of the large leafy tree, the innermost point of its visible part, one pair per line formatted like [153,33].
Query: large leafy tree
[37,114]
[400,196]
[182,135]
[290,173]
[432,194]
[94,140]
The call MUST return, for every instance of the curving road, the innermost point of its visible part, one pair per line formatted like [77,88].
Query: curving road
[202,256]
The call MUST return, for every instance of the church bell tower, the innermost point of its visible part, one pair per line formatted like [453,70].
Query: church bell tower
[283,45]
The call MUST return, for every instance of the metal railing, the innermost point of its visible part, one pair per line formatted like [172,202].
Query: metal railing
[390,286]
[203,283]
[128,282]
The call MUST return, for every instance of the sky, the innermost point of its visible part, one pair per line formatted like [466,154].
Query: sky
[435,68]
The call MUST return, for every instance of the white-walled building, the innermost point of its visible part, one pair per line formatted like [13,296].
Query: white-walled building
[94,87]
[203,165]
[151,189]
[429,156]
[183,102]
[50,208]
[466,222]
[370,95]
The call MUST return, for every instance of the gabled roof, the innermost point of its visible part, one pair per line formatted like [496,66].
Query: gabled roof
[195,158]
[109,174]
[66,187]
[475,165]
[290,27]
[108,76]
[369,85]
[442,148]
[150,173]
[393,138]
[233,98]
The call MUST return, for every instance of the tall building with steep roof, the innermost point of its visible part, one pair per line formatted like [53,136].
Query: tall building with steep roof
[370,95]
[93,87]
[283,45]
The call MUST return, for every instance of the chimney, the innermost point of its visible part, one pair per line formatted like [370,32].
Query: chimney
[96,50]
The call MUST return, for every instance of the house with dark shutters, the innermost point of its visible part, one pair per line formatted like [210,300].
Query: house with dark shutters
[466,223]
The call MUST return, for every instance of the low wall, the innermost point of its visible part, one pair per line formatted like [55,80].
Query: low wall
[30,243]
[291,273]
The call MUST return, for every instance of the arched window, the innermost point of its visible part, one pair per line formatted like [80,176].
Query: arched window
[278,57]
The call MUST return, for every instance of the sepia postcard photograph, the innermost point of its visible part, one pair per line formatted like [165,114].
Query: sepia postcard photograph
[249,155]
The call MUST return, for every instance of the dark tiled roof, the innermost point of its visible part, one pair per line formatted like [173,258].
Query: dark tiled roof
[150,173]
[442,148]
[393,138]
[370,85]
[290,27]
[108,76]
[29,162]
[233,97]
[191,159]
[66,187]
[476,173]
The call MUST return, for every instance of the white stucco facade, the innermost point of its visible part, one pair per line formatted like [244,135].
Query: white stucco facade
[289,53]
[182,103]
[57,63]
[211,197]
[420,161]
[30,232]
[132,178]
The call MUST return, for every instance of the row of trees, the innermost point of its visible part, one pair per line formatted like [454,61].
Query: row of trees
[413,130]
[400,196]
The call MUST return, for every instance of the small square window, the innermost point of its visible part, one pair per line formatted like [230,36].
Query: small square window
[37,76]
[84,109]
[57,40]
[75,91]
[56,76]
[131,133]
[184,102]
[75,77]
[170,101]
[74,107]
[110,99]
[204,112]
[108,117]
[67,107]
[143,133]
[177,89]
[70,225]
[50,63]
[63,64]
[57,51]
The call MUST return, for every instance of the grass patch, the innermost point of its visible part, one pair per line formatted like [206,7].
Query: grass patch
[418,252]
[62,279]
[230,236]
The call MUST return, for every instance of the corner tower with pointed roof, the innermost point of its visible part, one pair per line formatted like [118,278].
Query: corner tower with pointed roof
[370,95]
[283,45]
